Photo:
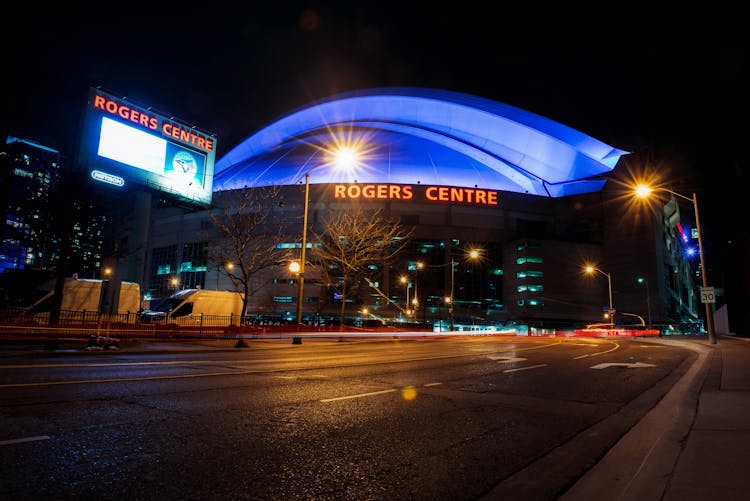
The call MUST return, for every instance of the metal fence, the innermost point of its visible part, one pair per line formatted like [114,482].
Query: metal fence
[18,325]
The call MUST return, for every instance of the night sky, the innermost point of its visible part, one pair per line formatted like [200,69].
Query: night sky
[671,86]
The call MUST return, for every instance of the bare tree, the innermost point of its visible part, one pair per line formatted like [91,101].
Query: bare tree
[250,232]
[352,240]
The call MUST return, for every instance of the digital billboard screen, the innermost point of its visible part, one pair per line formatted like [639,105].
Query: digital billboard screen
[125,144]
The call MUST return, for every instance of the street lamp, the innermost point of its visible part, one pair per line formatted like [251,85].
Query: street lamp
[452,299]
[344,158]
[415,301]
[405,281]
[643,191]
[592,269]
[227,266]
[642,280]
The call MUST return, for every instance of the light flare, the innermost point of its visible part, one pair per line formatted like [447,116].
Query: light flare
[408,393]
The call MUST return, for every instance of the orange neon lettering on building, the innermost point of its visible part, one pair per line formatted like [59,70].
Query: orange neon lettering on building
[125,112]
[406,193]
[144,121]
[382,191]
[353,191]
[186,136]
[99,102]
[339,191]
[368,191]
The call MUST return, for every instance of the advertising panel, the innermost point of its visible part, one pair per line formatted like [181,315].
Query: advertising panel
[125,144]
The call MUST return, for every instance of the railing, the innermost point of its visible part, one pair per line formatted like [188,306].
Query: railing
[18,324]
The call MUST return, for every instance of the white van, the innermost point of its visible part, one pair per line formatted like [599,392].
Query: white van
[194,306]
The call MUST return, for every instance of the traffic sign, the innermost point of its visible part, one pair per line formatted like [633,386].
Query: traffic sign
[708,295]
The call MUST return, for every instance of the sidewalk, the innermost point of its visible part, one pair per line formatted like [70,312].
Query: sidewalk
[694,445]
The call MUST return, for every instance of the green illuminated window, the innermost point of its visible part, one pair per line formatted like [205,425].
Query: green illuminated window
[529,259]
[528,245]
[529,273]
[530,302]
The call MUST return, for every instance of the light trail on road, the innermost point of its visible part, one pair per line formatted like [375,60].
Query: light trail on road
[514,350]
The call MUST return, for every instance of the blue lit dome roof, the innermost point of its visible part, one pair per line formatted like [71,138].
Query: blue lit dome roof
[421,136]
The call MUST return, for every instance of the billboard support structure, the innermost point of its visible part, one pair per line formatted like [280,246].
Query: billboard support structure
[138,242]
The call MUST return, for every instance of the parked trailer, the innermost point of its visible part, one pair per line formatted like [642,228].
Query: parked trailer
[89,295]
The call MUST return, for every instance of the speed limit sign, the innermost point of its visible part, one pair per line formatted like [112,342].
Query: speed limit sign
[708,295]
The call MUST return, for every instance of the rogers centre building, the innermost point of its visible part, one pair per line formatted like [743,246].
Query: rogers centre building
[465,173]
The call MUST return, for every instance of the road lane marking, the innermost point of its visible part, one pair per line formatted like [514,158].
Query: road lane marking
[634,365]
[615,347]
[109,364]
[23,440]
[360,395]
[507,360]
[133,379]
[526,368]
[370,394]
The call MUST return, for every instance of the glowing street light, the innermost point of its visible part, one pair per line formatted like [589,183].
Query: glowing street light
[344,158]
[405,280]
[591,269]
[415,301]
[228,267]
[644,191]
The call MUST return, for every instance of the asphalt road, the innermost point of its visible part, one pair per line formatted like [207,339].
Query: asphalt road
[453,418]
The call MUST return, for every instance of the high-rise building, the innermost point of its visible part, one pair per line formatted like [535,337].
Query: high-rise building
[29,173]
[49,218]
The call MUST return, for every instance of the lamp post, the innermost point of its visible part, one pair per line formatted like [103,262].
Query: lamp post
[415,300]
[407,283]
[592,269]
[299,268]
[344,158]
[227,266]
[643,191]
[642,280]
[450,303]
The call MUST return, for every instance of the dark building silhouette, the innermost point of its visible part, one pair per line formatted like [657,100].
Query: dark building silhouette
[51,218]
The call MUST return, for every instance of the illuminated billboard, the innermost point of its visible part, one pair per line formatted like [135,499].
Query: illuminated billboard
[125,144]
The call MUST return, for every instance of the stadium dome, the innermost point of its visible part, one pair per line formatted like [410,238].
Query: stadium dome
[421,136]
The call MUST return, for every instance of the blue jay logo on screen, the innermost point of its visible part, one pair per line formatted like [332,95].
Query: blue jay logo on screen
[183,165]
